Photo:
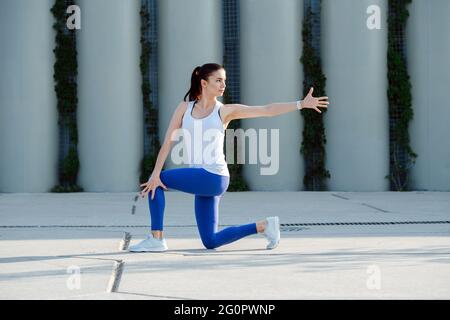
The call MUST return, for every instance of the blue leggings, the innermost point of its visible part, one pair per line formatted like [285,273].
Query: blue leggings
[208,189]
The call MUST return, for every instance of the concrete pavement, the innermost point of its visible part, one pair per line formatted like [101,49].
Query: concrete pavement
[335,245]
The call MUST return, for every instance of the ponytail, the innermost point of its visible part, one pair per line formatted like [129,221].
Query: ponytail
[198,74]
[195,90]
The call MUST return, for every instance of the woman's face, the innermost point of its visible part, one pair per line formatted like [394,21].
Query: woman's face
[215,85]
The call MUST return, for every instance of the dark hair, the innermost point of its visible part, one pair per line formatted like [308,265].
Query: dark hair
[199,73]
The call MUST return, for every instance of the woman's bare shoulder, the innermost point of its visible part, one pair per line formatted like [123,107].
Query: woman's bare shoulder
[182,106]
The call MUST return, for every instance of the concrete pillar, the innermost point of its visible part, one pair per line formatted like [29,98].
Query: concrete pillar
[271,72]
[357,121]
[190,35]
[28,113]
[428,47]
[110,114]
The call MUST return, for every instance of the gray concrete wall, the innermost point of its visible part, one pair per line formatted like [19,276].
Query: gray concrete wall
[28,114]
[271,43]
[428,63]
[110,114]
[110,117]
[357,123]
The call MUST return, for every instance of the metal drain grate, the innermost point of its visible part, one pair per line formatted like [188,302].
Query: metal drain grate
[359,223]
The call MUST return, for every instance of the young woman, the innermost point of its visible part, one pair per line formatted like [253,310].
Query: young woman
[208,180]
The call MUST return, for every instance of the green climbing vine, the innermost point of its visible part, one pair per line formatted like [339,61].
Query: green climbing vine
[314,140]
[150,113]
[402,157]
[65,73]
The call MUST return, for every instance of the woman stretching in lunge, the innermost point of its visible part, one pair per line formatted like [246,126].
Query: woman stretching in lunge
[208,180]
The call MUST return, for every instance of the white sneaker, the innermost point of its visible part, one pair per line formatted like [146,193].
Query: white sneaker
[150,245]
[272,232]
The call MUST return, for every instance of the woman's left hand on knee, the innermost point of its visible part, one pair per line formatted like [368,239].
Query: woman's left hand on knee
[151,185]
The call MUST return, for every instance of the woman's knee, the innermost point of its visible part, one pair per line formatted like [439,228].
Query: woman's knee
[210,242]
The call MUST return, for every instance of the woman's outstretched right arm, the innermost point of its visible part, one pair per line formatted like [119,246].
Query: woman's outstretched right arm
[175,124]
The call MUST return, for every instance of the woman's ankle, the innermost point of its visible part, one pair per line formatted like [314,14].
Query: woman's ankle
[157,234]
[261,226]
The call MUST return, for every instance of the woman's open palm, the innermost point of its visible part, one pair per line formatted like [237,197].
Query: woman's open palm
[310,102]
[151,185]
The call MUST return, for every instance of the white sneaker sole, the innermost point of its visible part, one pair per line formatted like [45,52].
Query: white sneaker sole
[147,249]
[272,245]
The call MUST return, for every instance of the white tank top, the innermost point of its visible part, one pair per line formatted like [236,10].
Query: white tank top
[206,142]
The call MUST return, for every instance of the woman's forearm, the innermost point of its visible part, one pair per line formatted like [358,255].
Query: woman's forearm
[275,109]
[162,156]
